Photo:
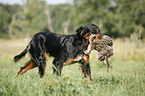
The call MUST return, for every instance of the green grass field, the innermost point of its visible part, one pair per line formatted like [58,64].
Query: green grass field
[126,79]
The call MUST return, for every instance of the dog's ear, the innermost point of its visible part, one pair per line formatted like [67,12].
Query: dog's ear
[82,32]
[79,31]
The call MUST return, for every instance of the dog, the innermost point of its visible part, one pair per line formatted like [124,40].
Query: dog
[62,47]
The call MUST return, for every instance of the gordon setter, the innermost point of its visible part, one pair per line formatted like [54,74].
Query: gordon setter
[63,48]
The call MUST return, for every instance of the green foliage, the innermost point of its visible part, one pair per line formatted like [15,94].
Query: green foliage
[6,11]
[29,20]
[117,18]
[60,14]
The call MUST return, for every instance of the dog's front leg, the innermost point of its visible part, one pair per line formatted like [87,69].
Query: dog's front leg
[57,66]
[85,67]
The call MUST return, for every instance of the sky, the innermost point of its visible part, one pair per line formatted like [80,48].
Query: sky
[48,1]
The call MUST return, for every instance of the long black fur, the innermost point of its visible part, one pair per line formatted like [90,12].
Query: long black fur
[61,47]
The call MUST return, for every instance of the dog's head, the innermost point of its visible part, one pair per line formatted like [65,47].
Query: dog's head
[94,30]
[88,30]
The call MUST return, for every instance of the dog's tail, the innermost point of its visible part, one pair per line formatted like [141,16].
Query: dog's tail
[18,57]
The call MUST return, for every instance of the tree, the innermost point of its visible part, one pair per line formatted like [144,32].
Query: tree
[6,12]
[117,18]
[31,19]
[61,18]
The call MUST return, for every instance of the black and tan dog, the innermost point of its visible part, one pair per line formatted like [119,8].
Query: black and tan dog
[62,47]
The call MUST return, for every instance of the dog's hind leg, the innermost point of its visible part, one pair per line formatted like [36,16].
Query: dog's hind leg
[42,66]
[45,54]
[38,54]
[29,65]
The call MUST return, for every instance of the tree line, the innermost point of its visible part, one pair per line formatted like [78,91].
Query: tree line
[117,18]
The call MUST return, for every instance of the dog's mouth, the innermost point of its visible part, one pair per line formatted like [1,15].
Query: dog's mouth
[98,36]
[93,36]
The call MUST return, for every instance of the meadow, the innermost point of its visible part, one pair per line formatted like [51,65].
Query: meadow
[126,79]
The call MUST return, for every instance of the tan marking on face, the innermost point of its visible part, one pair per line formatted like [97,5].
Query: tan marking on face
[87,37]
[82,33]
[98,36]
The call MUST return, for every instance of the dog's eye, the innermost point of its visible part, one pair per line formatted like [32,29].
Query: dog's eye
[95,30]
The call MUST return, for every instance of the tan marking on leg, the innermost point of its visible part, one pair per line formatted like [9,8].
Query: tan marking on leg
[29,66]
[44,70]
[69,61]
[81,70]
[88,78]
[86,58]
[45,54]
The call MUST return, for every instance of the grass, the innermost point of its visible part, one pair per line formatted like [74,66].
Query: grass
[127,78]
